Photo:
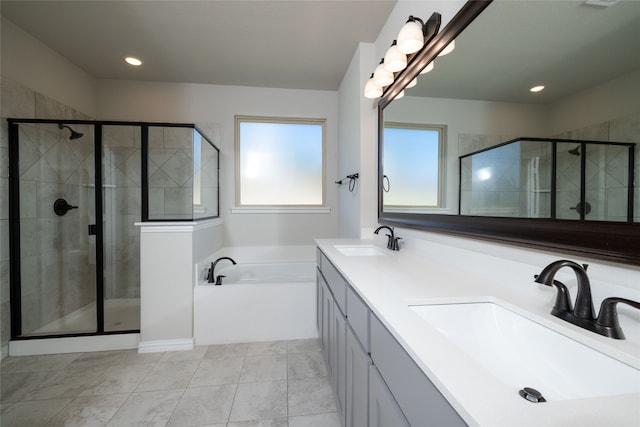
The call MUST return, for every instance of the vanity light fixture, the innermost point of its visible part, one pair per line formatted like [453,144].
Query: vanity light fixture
[412,83]
[371,90]
[132,60]
[535,89]
[382,77]
[428,68]
[447,50]
[394,60]
[411,36]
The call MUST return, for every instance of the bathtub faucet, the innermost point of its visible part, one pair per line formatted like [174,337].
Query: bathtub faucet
[211,277]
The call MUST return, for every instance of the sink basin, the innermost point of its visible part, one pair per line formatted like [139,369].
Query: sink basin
[360,250]
[521,353]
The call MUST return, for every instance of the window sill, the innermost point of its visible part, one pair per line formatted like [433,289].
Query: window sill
[280,210]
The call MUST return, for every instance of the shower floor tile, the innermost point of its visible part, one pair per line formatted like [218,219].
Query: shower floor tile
[273,384]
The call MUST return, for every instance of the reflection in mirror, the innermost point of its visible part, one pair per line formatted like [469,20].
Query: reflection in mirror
[481,94]
[413,158]
[585,59]
[548,178]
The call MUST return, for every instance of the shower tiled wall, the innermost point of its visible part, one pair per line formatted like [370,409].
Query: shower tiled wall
[606,169]
[170,173]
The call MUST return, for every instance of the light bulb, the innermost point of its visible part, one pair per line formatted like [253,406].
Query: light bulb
[410,38]
[412,83]
[394,60]
[382,77]
[399,95]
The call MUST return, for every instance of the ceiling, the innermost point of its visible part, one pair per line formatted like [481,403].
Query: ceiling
[567,46]
[281,44]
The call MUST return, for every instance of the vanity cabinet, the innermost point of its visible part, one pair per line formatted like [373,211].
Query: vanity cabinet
[420,401]
[375,381]
[383,409]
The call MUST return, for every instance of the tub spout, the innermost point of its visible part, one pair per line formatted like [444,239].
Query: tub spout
[211,277]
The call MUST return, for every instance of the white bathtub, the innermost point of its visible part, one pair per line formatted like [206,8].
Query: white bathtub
[257,302]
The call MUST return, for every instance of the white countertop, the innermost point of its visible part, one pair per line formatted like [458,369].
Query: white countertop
[389,284]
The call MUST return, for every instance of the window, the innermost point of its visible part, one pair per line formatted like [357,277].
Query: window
[413,165]
[279,162]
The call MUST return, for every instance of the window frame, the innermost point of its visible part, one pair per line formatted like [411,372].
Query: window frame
[276,208]
[442,144]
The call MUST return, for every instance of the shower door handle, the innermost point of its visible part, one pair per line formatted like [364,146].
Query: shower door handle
[92,229]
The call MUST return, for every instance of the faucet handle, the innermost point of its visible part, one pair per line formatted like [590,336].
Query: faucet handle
[607,322]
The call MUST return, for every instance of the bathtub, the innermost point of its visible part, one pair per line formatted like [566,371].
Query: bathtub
[257,302]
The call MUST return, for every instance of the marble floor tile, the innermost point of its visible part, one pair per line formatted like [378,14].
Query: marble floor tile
[329,419]
[217,372]
[266,347]
[204,405]
[308,396]
[179,356]
[49,362]
[296,346]
[169,375]
[226,351]
[65,383]
[32,414]
[306,365]
[273,422]
[119,379]
[90,411]
[264,368]
[262,400]
[153,408]
[15,386]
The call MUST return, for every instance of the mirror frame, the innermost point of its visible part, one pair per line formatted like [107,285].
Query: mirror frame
[611,241]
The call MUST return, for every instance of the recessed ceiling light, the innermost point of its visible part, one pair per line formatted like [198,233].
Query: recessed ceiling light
[131,60]
[536,88]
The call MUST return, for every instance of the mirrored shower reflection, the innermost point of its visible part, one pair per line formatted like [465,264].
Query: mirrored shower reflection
[592,180]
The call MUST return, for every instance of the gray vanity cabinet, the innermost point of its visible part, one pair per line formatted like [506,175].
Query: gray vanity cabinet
[383,409]
[357,387]
[420,401]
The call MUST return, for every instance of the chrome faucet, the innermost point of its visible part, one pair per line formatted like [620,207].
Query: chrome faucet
[583,314]
[211,278]
[392,241]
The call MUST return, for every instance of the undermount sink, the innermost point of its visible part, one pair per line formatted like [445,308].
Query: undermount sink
[520,352]
[360,250]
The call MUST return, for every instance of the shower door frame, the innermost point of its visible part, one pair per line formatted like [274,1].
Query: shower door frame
[14,228]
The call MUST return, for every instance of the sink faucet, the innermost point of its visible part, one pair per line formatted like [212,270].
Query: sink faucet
[583,314]
[211,276]
[392,241]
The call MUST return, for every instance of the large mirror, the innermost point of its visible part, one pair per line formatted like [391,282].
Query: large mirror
[475,106]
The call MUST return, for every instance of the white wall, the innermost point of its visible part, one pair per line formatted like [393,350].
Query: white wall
[612,99]
[31,63]
[182,102]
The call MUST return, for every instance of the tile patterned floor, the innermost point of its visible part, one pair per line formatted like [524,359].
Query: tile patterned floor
[271,384]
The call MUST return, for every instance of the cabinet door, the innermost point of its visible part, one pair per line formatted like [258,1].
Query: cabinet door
[319,300]
[383,409]
[327,318]
[357,395]
[338,353]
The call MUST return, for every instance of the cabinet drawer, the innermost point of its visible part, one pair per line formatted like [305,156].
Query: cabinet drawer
[420,401]
[335,281]
[358,317]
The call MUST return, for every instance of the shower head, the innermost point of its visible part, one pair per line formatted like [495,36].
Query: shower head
[575,151]
[74,134]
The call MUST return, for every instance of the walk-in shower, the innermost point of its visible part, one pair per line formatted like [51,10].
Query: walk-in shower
[550,178]
[76,190]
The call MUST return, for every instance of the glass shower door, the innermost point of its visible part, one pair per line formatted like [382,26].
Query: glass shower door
[56,170]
